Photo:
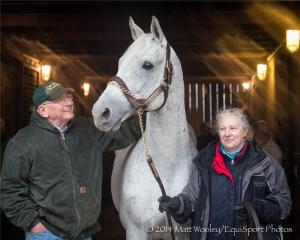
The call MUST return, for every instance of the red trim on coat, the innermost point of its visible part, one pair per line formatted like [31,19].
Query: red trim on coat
[219,165]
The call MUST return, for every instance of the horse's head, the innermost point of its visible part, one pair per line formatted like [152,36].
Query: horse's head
[142,69]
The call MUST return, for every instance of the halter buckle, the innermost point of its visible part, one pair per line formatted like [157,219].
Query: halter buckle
[139,110]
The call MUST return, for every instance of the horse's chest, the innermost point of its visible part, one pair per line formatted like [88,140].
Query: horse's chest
[137,175]
[138,179]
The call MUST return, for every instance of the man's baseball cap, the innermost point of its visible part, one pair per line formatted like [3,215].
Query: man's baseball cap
[50,91]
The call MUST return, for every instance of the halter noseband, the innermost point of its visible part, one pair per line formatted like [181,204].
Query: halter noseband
[163,87]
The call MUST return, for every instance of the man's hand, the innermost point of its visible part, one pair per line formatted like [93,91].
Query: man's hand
[172,204]
[38,228]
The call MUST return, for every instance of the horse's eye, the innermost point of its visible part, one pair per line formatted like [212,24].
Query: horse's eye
[147,65]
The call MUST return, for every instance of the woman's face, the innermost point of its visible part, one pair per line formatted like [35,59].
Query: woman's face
[231,132]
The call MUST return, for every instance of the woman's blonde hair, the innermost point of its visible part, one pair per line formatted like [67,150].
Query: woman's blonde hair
[237,112]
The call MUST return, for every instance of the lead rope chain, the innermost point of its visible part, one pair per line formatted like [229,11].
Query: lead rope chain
[124,90]
[153,169]
[140,112]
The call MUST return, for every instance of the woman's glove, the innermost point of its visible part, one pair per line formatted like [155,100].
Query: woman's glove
[169,203]
[242,213]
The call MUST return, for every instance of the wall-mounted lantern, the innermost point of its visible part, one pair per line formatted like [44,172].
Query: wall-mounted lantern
[46,72]
[261,71]
[246,85]
[86,89]
[292,44]
[292,40]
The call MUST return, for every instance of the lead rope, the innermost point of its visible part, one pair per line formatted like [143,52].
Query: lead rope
[150,162]
[148,158]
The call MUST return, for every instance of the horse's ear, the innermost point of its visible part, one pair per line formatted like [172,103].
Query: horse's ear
[136,31]
[156,30]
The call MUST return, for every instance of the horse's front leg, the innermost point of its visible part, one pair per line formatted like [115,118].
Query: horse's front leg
[135,233]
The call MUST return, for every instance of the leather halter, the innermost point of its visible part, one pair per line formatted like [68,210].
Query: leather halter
[164,86]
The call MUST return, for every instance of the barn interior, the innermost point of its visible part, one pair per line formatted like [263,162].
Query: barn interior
[219,44]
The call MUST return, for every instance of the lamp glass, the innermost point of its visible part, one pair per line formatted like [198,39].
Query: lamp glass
[292,40]
[86,89]
[46,71]
[246,85]
[261,71]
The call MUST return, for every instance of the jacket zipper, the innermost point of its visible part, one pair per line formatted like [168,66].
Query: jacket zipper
[73,180]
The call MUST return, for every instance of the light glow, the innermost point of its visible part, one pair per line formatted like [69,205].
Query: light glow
[292,40]
[86,89]
[246,85]
[46,72]
[261,71]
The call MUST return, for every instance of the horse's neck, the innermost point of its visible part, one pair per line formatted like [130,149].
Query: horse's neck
[166,130]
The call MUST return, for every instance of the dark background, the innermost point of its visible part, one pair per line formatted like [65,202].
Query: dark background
[218,43]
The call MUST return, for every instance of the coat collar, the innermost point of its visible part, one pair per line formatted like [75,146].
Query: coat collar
[40,122]
[211,156]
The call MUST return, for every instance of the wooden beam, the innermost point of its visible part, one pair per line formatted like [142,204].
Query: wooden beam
[103,17]
[187,57]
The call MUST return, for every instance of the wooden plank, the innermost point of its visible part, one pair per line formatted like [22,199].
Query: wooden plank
[234,95]
[220,95]
[214,100]
[186,101]
[197,116]
[227,96]
[199,113]
[206,99]
[193,116]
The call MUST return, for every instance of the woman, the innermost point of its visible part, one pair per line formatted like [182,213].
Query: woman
[230,174]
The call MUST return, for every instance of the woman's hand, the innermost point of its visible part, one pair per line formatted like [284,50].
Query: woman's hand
[169,203]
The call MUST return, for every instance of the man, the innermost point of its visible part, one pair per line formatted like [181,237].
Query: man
[8,230]
[52,169]
[263,138]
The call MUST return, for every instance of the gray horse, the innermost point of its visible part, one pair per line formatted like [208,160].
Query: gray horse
[135,190]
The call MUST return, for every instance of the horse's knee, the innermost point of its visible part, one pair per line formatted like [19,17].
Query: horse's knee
[135,233]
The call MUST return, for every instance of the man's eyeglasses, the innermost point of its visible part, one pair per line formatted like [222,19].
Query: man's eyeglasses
[66,96]
[61,99]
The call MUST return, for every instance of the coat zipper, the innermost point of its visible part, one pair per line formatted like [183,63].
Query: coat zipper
[73,180]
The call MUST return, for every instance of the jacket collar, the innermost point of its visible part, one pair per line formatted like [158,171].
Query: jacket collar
[218,163]
[255,156]
[211,156]
[203,161]
[40,122]
[204,157]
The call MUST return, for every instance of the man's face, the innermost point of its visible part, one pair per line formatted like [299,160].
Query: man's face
[260,137]
[61,111]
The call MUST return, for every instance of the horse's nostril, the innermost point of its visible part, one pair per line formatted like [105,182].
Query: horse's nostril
[105,115]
